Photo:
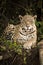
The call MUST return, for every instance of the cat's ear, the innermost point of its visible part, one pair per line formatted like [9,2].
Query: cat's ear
[20,17]
[35,17]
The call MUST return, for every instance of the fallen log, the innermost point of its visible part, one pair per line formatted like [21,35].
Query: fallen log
[40,45]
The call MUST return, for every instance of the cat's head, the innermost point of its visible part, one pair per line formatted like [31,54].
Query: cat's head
[28,24]
[28,19]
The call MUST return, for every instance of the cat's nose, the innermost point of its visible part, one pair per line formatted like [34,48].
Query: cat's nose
[29,28]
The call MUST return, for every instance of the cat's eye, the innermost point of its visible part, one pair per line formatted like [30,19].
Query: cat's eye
[23,29]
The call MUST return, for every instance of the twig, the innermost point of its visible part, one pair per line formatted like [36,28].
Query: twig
[14,59]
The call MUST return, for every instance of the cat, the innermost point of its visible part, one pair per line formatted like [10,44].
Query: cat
[24,33]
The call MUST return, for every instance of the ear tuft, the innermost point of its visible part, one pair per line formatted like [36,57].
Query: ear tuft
[35,16]
[20,17]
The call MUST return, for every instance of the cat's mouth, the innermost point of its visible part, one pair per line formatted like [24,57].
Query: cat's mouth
[22,33]
[28,34]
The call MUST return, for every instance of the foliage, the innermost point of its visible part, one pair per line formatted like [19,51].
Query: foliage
[7,45]
[39,25]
